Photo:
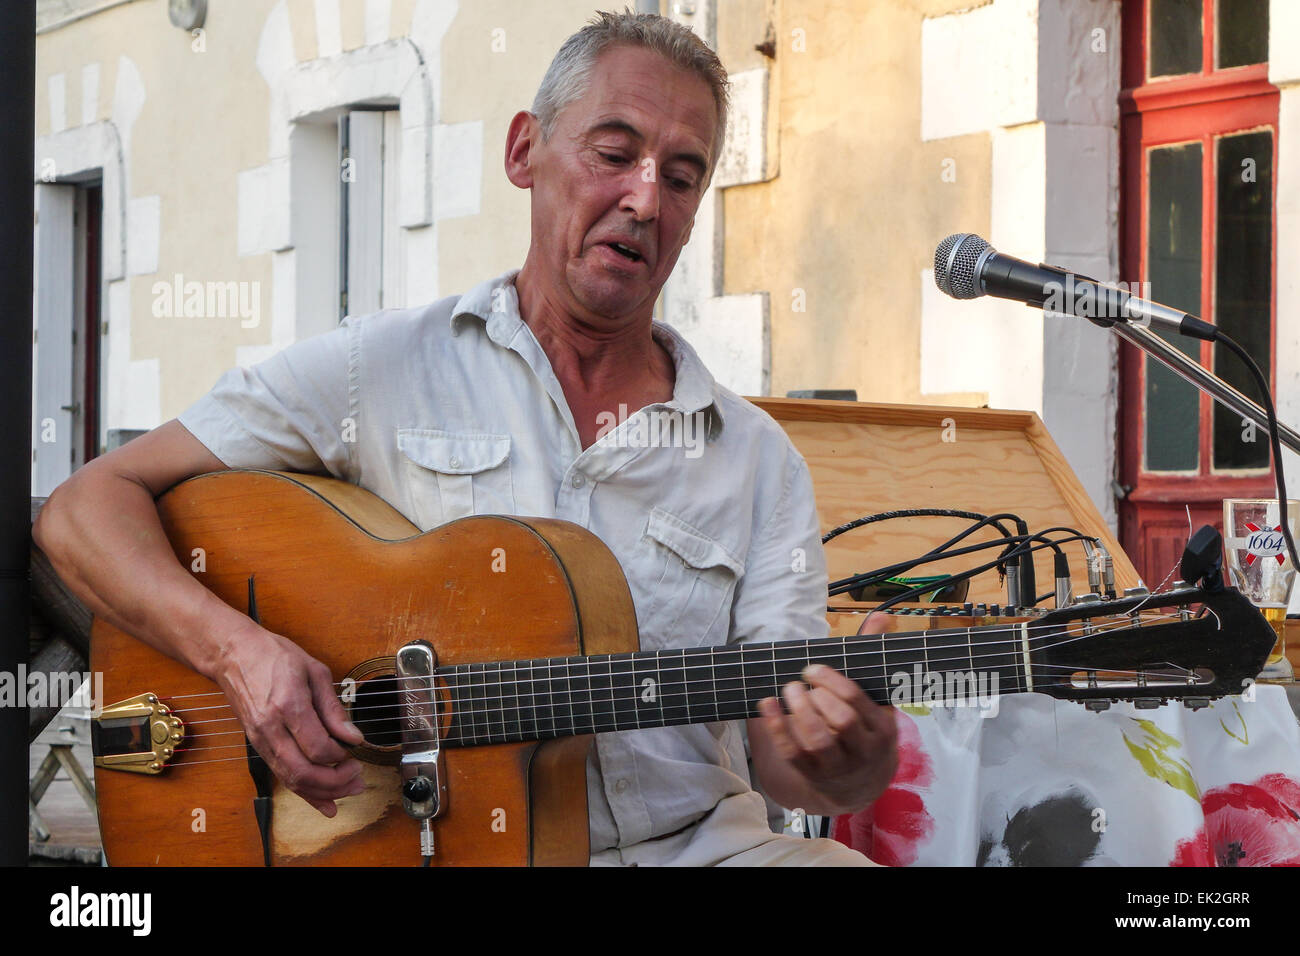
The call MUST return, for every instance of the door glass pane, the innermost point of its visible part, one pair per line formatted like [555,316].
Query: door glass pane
[1175,37]
[1243,271]
[1174,271]
[1242,32]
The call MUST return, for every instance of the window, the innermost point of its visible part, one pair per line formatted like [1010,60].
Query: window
[1199,155]
[66,353]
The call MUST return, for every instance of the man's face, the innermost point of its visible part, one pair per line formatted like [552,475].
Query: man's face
[615,189]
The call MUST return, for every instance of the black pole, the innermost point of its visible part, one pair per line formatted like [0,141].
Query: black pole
[17,120]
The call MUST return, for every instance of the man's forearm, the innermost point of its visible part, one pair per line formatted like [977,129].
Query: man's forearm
[102,534]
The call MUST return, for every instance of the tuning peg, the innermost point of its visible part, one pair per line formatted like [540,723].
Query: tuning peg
[1097,706]
[1196,703]
[1147,703]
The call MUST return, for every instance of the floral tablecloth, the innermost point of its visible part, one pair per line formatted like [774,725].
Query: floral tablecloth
[1045,782]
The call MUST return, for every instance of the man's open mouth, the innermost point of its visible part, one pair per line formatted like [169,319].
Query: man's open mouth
[627,253]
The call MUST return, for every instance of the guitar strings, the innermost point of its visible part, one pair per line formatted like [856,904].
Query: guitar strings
[464,729]
[460,739]
[478,699]
[598,726]
[469,684]
[992,629]
[611,700]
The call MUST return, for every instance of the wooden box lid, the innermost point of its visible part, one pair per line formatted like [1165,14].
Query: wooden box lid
[867,458]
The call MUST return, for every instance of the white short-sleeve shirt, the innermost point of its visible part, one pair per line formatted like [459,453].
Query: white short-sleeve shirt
[452,409]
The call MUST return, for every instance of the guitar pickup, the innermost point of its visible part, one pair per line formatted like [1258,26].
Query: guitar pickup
[422,766]
[138,735]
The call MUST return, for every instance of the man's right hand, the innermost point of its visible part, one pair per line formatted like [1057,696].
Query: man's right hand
[101,530]
[285,700]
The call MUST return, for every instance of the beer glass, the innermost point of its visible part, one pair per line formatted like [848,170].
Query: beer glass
[1261,566]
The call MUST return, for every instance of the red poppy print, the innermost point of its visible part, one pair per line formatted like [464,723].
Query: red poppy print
[893,829]
[1247,824]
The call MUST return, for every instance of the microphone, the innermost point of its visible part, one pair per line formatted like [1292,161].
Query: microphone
[967,267]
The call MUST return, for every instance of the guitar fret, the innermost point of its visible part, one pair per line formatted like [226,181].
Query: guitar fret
[512,705]
[650,697]
[601,689]
[538,701]
[551,706]
[697,705]
[625,692]
[713,680]
[744,686]
[789,660]
[729,684]
[578,685]
[562,698]
[482,706]
[494,702]
[884,671]
[468,707]
[673,691]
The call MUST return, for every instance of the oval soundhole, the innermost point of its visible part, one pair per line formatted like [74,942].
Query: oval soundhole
[369,694]
[376,712]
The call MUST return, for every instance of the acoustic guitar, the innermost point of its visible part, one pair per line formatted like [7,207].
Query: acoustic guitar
[479,657]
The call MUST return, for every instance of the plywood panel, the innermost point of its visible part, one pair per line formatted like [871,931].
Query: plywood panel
[867,458]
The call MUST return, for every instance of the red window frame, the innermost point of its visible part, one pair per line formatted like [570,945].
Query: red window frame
[1196,107]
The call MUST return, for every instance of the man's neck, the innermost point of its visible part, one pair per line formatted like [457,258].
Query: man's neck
[598,370]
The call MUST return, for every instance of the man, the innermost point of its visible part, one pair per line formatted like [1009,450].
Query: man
[520,397]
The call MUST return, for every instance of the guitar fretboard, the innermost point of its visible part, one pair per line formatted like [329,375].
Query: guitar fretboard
[540,699]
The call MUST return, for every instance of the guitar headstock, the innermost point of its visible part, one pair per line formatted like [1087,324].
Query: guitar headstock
[1151,648]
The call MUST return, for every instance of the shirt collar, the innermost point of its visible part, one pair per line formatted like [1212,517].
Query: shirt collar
[496,302]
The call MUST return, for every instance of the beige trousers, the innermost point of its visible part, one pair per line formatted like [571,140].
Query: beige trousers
[732,835]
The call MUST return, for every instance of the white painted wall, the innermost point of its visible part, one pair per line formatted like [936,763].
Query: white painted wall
[275,212]
[732,334]
[1042,78]
[130,232]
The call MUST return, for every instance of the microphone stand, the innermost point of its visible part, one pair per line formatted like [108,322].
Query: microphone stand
[1191,371]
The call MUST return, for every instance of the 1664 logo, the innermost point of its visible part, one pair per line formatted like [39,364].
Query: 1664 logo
[1264,543]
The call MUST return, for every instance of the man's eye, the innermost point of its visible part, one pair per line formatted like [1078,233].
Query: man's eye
[685,185]
[613,158]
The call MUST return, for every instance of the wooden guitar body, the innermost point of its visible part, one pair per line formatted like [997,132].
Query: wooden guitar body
[350,580]
[534,632]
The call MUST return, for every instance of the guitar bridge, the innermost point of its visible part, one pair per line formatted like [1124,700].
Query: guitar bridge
[138,735]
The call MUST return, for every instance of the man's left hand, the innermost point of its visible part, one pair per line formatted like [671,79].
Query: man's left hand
[834,752]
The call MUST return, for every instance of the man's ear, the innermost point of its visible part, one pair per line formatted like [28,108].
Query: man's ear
[524,135]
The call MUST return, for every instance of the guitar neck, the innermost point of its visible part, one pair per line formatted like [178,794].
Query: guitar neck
[508,701]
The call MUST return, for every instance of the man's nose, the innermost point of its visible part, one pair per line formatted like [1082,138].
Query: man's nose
[642,195]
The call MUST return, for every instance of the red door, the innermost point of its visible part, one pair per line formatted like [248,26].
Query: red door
[1198,147]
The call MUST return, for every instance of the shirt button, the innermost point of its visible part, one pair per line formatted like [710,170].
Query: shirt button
[454,462]
[621,785]
[577,481]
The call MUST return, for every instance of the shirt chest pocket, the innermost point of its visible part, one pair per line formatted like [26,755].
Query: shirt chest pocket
[451,475]
[692,579]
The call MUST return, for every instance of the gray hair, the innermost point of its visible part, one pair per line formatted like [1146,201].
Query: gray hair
[569,74]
